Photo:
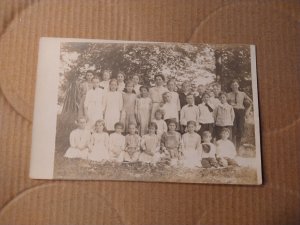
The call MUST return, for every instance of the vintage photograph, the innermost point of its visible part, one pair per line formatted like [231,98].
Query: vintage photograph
[167,112]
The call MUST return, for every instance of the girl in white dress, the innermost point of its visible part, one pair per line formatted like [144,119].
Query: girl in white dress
[121,83]
[105,83]
[136,85]
[169,108]
[99,143]
[93,104]
[150,145]
[226,151]
[175,102]
[132,144]
[113,102]
[117,144]
[79,141]
[191,146]
[143,110]
[161,124]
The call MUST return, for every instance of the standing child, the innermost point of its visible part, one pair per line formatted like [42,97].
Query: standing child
[241,104]
[143,110]
[79,140]
[214,102]
[226,152]
[121,83]
[201,90]
[150,145]
[93,104]
[129,106]
[196,94]
[189,112]
[185,90]
[113,102]
[99,143]
[136,85]
[217,89]
[85,86]
[133,144]
[224,116]
[191,146]
[171,143]
[156,92]
[169,109]
[117,144]
[208,151]
[206,118]
[161,124]
[171,85]
[105,83]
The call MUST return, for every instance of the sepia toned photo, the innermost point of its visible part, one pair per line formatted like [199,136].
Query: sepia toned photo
[146,111]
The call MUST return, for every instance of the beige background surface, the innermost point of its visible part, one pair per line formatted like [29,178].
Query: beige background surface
[273,26]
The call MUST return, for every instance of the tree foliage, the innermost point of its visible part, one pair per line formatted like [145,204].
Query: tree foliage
[182,62]
[235,64]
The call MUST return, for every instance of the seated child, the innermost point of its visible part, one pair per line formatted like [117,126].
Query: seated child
[117,143]
[150,146]
[79,140]
[226,150]
[99,143]
[171,143]
[161,124]
[191,146]
[208,151]
[132,144]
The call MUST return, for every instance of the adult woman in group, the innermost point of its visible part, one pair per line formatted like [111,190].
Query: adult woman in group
[157,92]
[237,99]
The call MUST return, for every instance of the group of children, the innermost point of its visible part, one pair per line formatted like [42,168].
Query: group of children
[170,146]
[192,127]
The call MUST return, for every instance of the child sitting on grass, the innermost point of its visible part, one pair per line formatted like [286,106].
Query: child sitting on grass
[208,151]
[226,152]
[150,146]
[171,143]
[191,146]
[161,124]
[117,143]
[79,140]
[99,143]
[132,144]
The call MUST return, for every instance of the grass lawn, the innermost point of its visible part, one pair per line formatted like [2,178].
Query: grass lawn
[82,169]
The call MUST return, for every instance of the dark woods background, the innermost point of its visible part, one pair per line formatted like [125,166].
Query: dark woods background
[183,62]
